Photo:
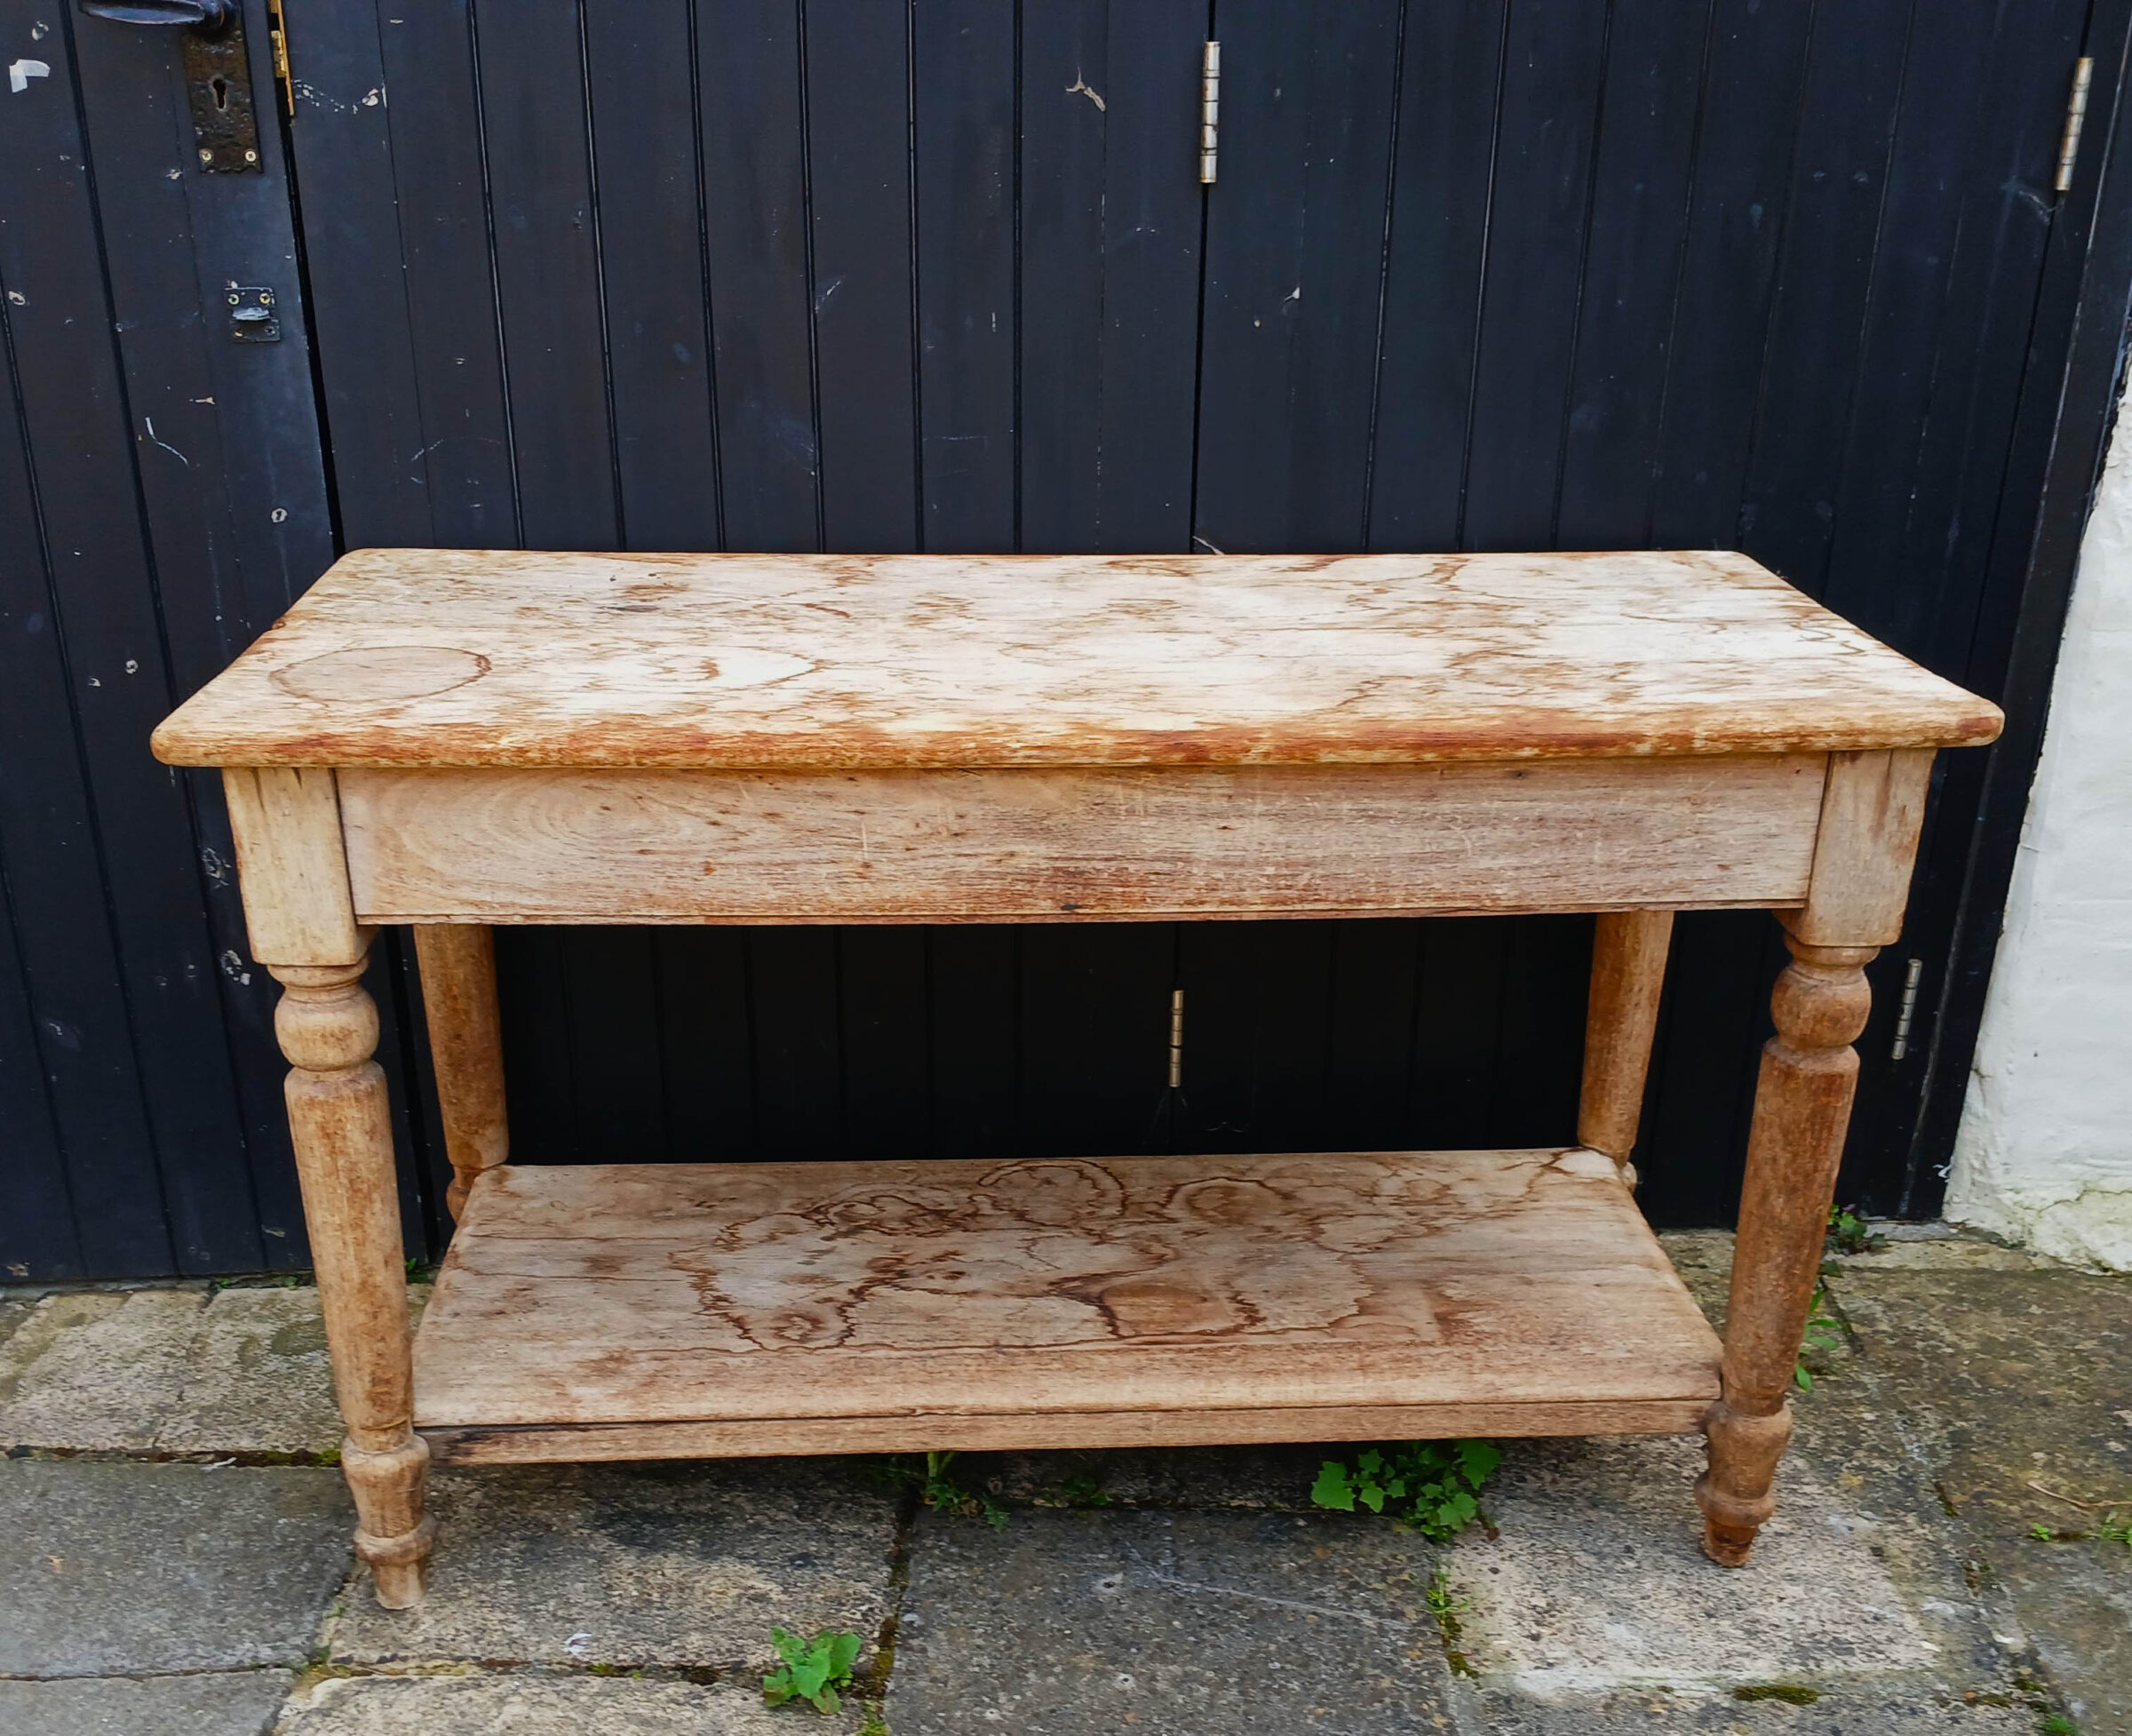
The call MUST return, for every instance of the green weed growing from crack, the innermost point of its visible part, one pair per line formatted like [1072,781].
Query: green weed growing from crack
[1439,1480]
[1823,1332]
[1851,1234]
[812,1671]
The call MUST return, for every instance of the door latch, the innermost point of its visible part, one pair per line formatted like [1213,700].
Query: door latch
[251,316]
[218,75]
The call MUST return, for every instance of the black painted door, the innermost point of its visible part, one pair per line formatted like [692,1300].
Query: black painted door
[1786,275]
[866,276]
[162,498]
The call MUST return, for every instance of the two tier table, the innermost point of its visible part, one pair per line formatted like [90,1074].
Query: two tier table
[453,740]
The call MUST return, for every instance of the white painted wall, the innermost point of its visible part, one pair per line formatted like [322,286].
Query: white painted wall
[2045,1149]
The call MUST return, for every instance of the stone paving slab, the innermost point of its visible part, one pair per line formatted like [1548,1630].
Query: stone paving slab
[1596,1581]
[257,1377]
[678,1563]
[108,1569]
[546,1703]
[241,1371]
[238,1703]
[1656,1714]
[1166,1624]
[96,1370]
[1985,1385]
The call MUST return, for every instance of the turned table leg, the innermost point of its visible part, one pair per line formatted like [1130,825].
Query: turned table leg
[1871,811]
[299,913]
[1628,970]
[1801,1111]
[342,1129]
[466,1048]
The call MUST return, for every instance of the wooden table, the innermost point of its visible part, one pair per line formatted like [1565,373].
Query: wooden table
[453,740]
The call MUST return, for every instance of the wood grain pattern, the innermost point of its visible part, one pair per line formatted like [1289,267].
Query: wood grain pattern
[1628,974]
[1870,815]
[340,1125]
[572,1443]
[466,1048]
[439,658]
[294,877]
[518,845]
[764,1293]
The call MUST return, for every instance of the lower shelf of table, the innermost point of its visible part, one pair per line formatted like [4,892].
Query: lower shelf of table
[654,1310]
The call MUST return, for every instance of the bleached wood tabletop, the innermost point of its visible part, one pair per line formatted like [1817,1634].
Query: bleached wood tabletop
[436,657]
[458,739]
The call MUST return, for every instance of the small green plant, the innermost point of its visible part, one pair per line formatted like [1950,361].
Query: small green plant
[2116,1528]
[2041,1533]
[2056,1723]
[1823,1332]
[812,1671]
[1441,1479]
[1082,1489]
[944,1494]
[1853,1234]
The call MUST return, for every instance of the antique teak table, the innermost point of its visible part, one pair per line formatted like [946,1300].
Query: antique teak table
[454,740]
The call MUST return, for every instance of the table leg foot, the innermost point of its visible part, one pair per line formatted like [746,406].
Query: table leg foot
[392,1533]
[1735,1493]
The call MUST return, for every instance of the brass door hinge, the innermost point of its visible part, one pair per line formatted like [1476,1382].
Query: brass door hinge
[2076,116]
[277,36]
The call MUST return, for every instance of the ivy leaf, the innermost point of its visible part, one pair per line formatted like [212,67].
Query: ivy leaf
[1477,1460]
[1332,1488]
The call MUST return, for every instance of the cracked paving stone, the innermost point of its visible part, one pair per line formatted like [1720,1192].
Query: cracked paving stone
[546,1703]
[114,1568]
[679,1564]
[1170,1624]
[238,1703]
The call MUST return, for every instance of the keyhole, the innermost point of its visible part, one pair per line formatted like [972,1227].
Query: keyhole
[220,87]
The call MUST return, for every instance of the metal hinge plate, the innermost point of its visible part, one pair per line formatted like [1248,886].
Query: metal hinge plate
[2076,116]
[1210,109]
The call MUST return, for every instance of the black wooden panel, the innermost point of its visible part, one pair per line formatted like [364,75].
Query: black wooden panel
[860,194]
[1549,97]
[1095,1022]
[1294,273]
[1640,175]
[641,68]
[1439,226]
[963,115]
[1110,273]
[755,218]
[544,230]
[972,985]
[178,504]
[1743,163]
[887,1100]
[708,1075]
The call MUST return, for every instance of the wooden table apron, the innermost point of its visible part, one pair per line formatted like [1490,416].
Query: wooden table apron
[626,1311]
